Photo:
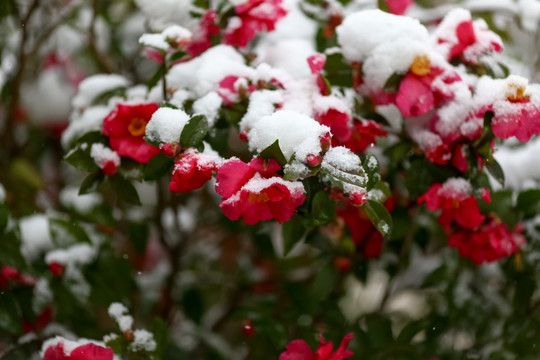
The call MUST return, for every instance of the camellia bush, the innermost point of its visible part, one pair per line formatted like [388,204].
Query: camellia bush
[269,179]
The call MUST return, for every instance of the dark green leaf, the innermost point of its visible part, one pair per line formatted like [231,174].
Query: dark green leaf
[24,172]
[118,345]
[81,159]
[178,55]
[124,189]
[379,330]
[157,167]
[495,170]
[160,72]
[195,131]
[528,202]
[274,152]
[323,284]
[91,182]
[138,234]
[161,336]
[323,208]
[193,305]
[380,217]
[371,166]
[337,70]
[103,97]
[10,313]
[4,217]
[67,227]
[392,83]
[293,232]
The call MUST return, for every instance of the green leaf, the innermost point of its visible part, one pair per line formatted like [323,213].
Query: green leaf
[157,167]
[193,305]
[528,202]
[495,170]
[68,227]
[293,232]
[4,217]
[119,345]
[26,173]
[337,71]
[124,189]
[274,152]
[10,313]
[103,97]
[371,166]
[323,208]
[380,217]
[195,131]
[92,182]
[161,336]
[81,159]
[392,83]
[138,234]
[379,330]
[323,284]
[178,55]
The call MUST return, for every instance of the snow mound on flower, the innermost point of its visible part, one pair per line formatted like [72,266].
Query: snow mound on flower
[361,32]
[143,340]
[173,34]
[120,314]
[93,86]
[296,133]
[203,74]
[68,345]
[78,254]
[103,155]
[342,158]
[261,103]
[166,125]
[209,105]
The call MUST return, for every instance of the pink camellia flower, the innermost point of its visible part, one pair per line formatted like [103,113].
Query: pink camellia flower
[459,36]
[256,193]
[299,350]
[398,7]
[202,39]
[520,118]
[316,64]
[457,203]
[418,91]
[62,349]
[233,89]
[125,126]
[490,242]
[251,17]
[192,170]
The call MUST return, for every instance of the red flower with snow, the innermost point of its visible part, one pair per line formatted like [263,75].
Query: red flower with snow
[299,350]
[338,122]
[10,274]
[457,203]
[125,126]
[490,242]
[202,39]
[418,91]
[67,350]
[459,36]
[398,7]
[233,89]
[363,135]
[316,64]
[256,193]
[251,17]
[192,170]
[519,118]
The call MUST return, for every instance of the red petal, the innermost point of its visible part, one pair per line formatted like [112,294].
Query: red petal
[231,176]
[91,352]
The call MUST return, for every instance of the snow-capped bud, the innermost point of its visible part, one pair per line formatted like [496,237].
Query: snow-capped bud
[326,141]
[358,198]
[247,327]
[128,335]
[243,136]
[171,149]
[313,160]
[57,269]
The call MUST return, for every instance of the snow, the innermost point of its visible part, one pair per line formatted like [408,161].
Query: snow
[261,103]
[90,120]
[35,236]
[209,105]
[163,13]
[297,134]
[166,125]
[78,254]
[361,32]
[143,340]
[169,38]
[102,155]
[93,86]
[520,165]
[68,345]
[120,314]
[203,74]
[69,197]
[529,11]
[342,158]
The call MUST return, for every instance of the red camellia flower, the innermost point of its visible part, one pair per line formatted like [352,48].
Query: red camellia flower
[201,40]
[338,122]
[363,135]
[251,17]
[490,242]
[192,170]
[398,7]
[299,350]
[233,89]
[316,64]
[456,202]
[255,192]
[90,351]
[125,126]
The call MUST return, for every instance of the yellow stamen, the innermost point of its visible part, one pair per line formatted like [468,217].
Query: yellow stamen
[137,127]
[258,198]
[518,93]
[421,65]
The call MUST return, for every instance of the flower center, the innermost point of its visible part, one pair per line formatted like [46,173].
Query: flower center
[137,126]
[518,93]
[421,65]
[258,198]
